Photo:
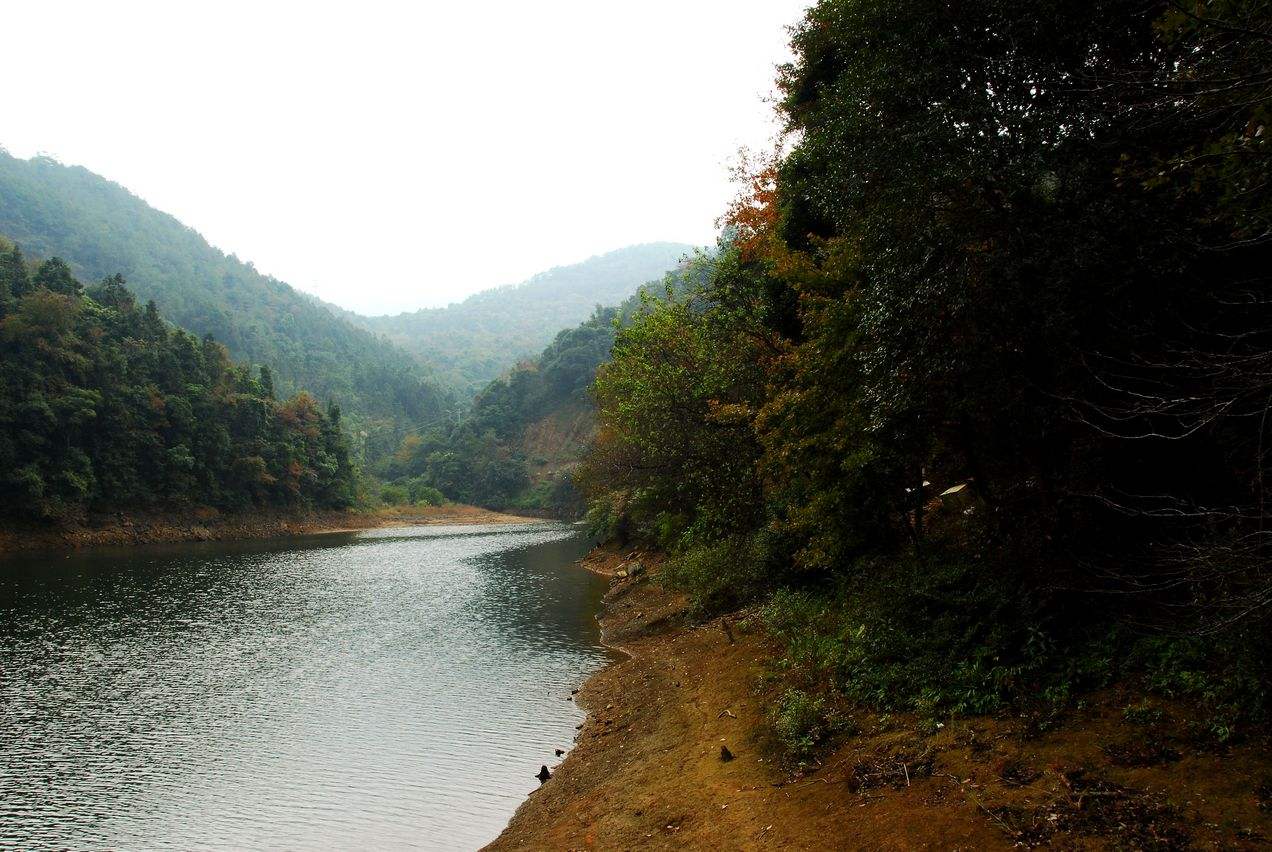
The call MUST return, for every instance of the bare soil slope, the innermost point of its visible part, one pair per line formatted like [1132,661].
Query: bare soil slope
[647,771]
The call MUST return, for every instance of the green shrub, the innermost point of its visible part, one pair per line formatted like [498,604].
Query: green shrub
[1143,714]
[945,636]
[929,636]
[430,498]
[799,723]
[422,494]
[394,495]
[606,518]
[1227,675]
[723,575]
[533,499]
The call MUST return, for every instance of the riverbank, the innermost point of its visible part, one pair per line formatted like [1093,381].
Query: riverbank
[647,769]
[206,524]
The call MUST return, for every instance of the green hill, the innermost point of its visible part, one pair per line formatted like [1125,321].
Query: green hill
[519,444]
[472,342]
[100,229]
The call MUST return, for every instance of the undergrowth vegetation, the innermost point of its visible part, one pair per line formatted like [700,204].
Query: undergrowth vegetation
[800,723]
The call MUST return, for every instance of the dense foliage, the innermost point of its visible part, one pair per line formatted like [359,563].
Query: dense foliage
[104,405]
[471,343]
[981,379]
[101,229]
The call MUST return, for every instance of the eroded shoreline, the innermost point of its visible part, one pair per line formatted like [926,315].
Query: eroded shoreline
[202,524]
[647,772]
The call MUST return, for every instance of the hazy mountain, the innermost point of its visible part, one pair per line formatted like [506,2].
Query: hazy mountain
[528,428]
[100,229]
[474,341]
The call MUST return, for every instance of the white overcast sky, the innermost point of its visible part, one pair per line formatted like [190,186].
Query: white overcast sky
[389,156]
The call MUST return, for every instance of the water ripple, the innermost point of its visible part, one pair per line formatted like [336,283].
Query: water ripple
[391,689]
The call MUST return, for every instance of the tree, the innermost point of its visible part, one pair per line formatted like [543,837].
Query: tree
[14,280]
[55,276]
[113,292]
[675,436]
[267,382]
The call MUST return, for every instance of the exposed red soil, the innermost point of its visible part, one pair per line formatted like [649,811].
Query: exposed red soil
[646,772]
[555,442]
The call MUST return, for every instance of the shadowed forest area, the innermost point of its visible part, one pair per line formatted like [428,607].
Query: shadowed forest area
[975,397]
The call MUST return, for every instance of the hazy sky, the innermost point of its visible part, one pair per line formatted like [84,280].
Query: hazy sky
[389,156]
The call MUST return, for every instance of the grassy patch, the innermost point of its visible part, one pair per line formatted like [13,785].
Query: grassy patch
[933,639]
[941,637]
[800,723]
[1227,675]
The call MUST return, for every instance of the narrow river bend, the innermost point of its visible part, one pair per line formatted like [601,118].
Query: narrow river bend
[389,689]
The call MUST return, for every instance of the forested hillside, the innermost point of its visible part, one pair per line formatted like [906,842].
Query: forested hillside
[105,406]
[472,342]
[527,430]
[101,229]
[977,397]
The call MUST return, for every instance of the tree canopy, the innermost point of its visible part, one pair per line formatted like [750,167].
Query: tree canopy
[988,340]
[106,406]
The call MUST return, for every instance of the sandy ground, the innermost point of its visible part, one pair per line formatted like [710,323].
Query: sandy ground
[444,515]
[646,771]
[203,524]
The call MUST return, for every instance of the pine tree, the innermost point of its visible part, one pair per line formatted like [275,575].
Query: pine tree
[56,276]
[14,281]
[267,382]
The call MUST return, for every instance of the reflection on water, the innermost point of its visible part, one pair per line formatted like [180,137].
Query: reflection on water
[394,688]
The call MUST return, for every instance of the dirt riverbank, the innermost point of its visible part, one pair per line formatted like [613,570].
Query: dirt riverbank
[204,524]
[647,769]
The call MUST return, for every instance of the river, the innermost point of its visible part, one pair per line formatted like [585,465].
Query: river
[394,688]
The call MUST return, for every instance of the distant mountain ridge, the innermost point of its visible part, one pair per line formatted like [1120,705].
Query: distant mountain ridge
[472,342]
[528,429]
[100,228]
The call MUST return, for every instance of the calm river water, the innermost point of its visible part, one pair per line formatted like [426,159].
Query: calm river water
[389,689]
